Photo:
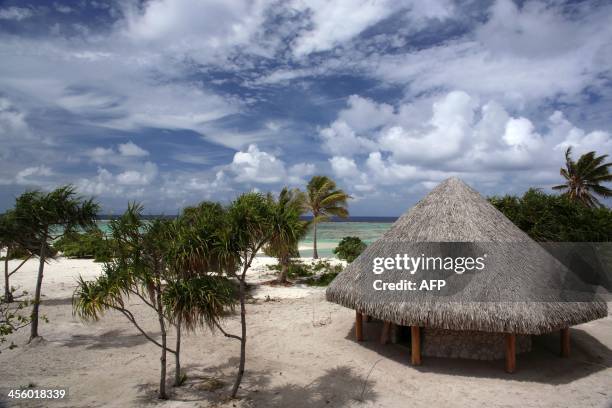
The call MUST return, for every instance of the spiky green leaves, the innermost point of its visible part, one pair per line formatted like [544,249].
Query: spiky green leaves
[324,199]
[584,178]
[199,301]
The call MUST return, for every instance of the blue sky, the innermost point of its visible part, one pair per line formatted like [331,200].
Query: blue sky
[173,102]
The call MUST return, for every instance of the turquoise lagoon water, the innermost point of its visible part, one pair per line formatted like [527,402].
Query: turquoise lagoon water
[328,234]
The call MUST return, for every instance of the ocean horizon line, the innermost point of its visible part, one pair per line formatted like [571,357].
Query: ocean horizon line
[355,218]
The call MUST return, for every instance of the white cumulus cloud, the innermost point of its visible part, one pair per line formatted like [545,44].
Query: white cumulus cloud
[131,149]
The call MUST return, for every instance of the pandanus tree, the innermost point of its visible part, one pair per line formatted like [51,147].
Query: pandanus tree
[323,200]
[584,178]
[45,217]
[197,293]
[162,265]
[12,236]
[249,228]
[234,235]
[287,228]
[136,270]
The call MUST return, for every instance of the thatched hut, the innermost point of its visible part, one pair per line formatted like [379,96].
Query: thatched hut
[491,314]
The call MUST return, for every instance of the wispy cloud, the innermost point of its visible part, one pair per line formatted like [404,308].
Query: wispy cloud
[15,13]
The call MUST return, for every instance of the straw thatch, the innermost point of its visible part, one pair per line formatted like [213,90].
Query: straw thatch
[520,292]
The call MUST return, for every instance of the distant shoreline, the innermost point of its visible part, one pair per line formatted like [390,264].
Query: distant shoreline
[106,217]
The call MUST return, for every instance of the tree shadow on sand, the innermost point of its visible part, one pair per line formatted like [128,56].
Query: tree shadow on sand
[211,384]
[107,340]
[56,301]
[542,364]
[340,386]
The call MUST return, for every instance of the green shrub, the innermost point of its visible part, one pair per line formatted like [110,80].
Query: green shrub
[17,253]
[89,244]
[269,251]
[349,248]
[320,273]
[329,273]
[297,269]
[323,273]
[20,253]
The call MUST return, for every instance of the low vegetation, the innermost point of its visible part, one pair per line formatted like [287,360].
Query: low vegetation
[16,253]
[12,318]
[91,244]
[319,273]
[349,248]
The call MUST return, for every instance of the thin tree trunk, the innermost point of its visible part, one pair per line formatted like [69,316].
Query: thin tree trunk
[162,326]
[162,375]
[315,254]
[35,307]
[284,269]
[8,295]
[177,354]
[241,295]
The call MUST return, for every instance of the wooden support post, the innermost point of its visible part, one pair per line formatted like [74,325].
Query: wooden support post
[510,352]
[386,331]
[394,335]
[359,326]
[415,335]
[565,342]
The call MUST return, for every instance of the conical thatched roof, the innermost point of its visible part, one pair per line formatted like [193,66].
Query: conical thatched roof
[522,291]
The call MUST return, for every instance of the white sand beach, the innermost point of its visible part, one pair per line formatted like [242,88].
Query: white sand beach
[301,352]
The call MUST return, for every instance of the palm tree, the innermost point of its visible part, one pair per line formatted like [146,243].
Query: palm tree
[323,200]
[287,228]
[584,178]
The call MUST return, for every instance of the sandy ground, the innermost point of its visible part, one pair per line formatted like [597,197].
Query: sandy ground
[300,353]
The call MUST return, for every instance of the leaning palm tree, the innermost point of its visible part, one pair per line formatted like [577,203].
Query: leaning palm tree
[323,200]
[287,228]
[583,178]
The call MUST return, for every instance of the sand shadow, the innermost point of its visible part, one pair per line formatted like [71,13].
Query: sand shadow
[107,340]
[210,384]
[56,301]
[542,364]
[337,387]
